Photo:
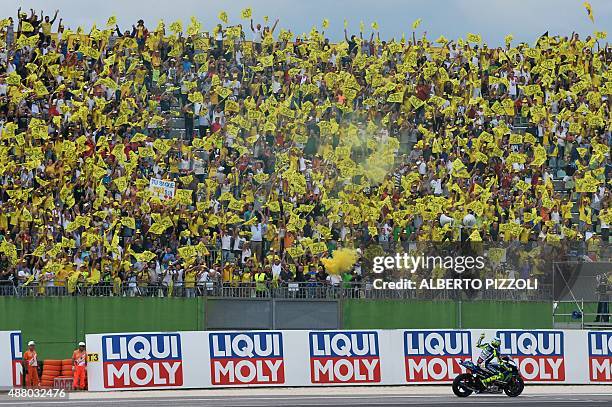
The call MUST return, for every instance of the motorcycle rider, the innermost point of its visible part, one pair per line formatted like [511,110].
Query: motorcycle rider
[491,360]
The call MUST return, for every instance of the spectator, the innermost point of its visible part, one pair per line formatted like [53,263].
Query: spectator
[289,145]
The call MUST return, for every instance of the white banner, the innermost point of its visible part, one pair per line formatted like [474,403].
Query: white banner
[11,370]
[162,189]
[318,358]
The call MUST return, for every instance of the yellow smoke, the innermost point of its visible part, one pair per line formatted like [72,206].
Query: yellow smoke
[380,158]
[342,260]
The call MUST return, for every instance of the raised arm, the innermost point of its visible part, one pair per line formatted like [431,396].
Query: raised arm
[54,17]
[274,26]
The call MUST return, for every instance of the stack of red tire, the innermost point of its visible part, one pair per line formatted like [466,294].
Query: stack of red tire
[67,368]
[51,370]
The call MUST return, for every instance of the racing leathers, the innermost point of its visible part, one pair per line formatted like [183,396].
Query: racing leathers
[491,361]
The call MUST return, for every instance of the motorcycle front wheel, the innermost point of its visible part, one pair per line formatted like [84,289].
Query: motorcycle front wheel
[462,385]
[514,387]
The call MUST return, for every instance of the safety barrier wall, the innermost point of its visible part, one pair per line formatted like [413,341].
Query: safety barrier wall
[317,358]
[57,324]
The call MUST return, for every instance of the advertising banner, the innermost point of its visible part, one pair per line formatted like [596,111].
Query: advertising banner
[600,357]
[11,369]
[145,360]
[161,188]
[158,360]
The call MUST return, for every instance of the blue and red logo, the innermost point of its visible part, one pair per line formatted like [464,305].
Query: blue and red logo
[246,358]
[539,354]
[600,356]
[344,357]
[16,359]
[142,360]
[434,356]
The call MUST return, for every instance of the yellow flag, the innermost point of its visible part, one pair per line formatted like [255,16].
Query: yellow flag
[13,79]
[176,27]
[474,38]
[26,215]
[111,22]
[246,13]
[138,137]
[223,17]
[475,236]
[274,206]
[441,40]
[416,23]
[187,252]
[589,11]
[128,222]
[184,196]
[325,23]
[235,204]
[26,27]
[397,97]
[157,228]
[40,89]
[121,183]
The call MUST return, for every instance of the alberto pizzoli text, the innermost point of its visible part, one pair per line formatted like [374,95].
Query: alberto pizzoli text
[458,284]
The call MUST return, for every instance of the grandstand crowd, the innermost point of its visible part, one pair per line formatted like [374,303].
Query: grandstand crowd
[281,148]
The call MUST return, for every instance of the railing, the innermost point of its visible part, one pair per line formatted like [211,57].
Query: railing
[273,289]
[578,315]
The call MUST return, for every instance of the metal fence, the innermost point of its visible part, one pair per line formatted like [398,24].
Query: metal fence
[295,290]
[579,316]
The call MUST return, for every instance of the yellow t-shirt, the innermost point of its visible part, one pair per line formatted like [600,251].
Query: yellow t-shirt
[190,279]
[46,28]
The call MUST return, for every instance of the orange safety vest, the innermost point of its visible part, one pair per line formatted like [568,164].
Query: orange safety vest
[31,357]
[79,358]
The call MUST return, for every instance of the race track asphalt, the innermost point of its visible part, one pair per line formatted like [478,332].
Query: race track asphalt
[371,396]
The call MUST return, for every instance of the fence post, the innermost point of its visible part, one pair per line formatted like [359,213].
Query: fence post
[340,302]
[459,312]
[273,305]
[205,303]
[582,313]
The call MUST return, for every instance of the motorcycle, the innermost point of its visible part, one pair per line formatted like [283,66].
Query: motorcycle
[468,383]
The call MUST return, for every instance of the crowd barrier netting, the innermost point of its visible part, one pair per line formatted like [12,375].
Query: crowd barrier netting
[210,359]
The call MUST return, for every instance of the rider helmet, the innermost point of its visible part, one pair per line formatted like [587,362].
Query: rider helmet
[495,342]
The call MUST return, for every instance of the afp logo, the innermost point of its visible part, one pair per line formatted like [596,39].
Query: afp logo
[344,357]
[246,358]
[16,359]
[142,360]
[434,356]
[600,356]
[539,354]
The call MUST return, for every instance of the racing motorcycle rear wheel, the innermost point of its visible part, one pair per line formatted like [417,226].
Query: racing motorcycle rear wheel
[463,384]
[514,387]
